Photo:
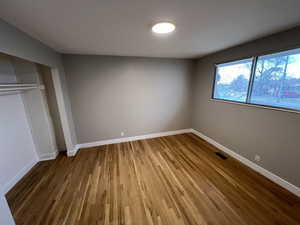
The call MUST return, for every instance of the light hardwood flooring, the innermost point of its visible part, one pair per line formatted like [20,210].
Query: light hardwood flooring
[175,180]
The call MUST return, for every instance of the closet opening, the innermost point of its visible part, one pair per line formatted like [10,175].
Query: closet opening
[32,84]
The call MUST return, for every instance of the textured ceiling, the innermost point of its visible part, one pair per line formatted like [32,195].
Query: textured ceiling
[111,27]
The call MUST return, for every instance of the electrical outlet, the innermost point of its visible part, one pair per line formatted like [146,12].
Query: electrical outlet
[257,158]
[122,134]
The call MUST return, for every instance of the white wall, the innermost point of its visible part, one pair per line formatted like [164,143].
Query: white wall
[5,215]
[53,107]
[18,152]
[17,149]
[16,144]
[36,109]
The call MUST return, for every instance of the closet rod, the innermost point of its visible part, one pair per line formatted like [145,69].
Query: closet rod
[17,85]
[17,89]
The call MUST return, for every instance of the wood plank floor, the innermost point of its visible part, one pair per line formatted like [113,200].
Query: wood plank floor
[175,180]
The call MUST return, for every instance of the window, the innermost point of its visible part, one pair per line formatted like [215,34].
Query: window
[232,80]
[277,80]
[269,80]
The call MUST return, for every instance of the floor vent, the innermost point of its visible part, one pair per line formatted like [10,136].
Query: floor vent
[220,155]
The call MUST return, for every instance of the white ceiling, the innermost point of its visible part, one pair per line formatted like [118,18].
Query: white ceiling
[122,27]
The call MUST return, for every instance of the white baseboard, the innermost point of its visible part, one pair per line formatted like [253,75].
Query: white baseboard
[48,156]
[18,177]
[26,169]
[126,139]
[273,177]
[73,152]
[276,179]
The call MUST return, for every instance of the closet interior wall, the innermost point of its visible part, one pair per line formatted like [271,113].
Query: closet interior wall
[36,108]
[46,76]
[27,131]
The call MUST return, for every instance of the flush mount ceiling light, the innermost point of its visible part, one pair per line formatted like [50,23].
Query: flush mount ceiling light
[163,28]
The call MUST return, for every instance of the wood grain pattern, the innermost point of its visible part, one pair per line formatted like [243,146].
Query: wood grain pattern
[175,180]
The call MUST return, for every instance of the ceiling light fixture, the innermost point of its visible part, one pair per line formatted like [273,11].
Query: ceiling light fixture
[163,28]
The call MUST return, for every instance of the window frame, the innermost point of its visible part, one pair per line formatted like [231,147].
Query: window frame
[250,85]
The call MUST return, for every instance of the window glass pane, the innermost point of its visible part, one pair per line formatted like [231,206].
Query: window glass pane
[232,80]
[277,80]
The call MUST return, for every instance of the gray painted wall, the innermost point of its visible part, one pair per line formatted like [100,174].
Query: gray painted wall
[135,95]
[274,135]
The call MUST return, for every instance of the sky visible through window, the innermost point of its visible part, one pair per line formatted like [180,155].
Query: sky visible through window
[232,80]
[293,69]
[230,73]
